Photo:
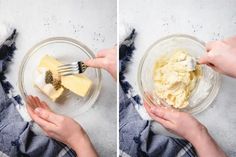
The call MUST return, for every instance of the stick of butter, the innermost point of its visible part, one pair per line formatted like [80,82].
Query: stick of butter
[46,88]
[78,84]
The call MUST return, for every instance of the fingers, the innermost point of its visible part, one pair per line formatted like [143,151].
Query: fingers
[47,115]
[43,123]
[164,122]
[102,53]
[210,45]
[230,41]
[147,107]
[33,107]
[214,48]
[45,106]
[160,112]
[205,59]
[100,61]
[208,58]
[105,52]
[156,111]
[31,102]
[30,108]
[96,63]
[38,102]
[35,102]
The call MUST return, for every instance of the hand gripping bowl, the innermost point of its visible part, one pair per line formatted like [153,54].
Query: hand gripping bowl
[66,50]
[207,86]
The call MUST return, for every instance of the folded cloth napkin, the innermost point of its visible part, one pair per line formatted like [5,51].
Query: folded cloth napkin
[16,135]
[136,136]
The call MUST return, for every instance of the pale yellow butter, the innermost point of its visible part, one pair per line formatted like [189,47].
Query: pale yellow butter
[79,84]
[47,89]
[175,77]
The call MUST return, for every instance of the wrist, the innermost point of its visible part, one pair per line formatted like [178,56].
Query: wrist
[205,145]
[77,140]
[198,134]
[83,146]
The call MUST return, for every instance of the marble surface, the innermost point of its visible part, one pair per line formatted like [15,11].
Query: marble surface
[204,19]
[93,23]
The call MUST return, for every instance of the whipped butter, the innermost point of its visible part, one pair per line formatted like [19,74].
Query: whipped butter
[175,77]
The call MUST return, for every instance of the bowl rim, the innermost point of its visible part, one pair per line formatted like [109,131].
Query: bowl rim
[47,41]
[139,81]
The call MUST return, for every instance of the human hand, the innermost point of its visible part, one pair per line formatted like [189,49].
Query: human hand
[105,59]
[186,126]
[221,56]
[180,123]
[61,128]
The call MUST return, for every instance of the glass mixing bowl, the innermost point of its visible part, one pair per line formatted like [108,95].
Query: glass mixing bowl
[66,50]
[207,86]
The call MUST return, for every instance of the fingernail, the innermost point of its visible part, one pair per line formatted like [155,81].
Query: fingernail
[38,110]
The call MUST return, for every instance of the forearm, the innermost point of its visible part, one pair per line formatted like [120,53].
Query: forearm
[83,147]
[205,145]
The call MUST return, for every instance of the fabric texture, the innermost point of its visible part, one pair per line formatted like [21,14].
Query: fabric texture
[16,135]
[136,136]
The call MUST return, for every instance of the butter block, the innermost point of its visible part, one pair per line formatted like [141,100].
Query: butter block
[47,89]
[52,93]
[78,84]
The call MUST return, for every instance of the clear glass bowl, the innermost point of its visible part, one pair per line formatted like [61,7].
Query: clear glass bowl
[66,50]
[207,86]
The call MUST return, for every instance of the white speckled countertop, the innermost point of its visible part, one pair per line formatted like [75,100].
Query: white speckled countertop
[93,23]
[205,19]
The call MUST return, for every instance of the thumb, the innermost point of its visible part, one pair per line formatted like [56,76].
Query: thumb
[205,59]
[96,62]
[46,115]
